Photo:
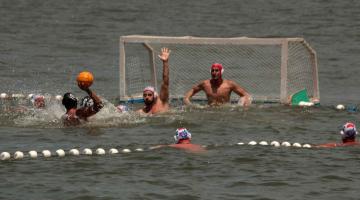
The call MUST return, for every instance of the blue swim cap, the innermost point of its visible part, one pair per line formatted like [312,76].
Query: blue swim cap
[182,134]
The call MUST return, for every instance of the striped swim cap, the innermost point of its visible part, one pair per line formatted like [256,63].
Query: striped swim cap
[348,130]
[182,134]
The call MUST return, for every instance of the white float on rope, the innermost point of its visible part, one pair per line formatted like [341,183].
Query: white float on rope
[100,151]
[60,152]
[3,95]
[296,144]
[87,151]
[46,153]
[275,143]
[18,155]
[74,152]
[285,144]
[113,151]
[5,156]
[33,154]
[340,107]
[126,151]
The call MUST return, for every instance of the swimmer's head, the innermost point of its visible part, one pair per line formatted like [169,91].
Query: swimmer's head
[87,102]
[216,71]
[348,132]
[38,101]
[69,101]
[149,95]
[181,135]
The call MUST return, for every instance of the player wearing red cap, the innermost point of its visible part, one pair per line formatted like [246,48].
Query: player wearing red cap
[218,90]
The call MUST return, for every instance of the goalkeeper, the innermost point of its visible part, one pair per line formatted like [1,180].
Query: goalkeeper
[218,90]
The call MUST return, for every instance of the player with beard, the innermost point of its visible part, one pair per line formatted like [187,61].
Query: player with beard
[155,103]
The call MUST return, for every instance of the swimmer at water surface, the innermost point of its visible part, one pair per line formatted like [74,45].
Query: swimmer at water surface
[90,105]
[348,134]
[183,141]
[218,90]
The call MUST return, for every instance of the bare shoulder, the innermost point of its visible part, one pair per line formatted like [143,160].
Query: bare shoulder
[230,82]
[205,82]
[202,84]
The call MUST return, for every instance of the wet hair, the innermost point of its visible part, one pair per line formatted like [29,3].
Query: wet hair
[69,101]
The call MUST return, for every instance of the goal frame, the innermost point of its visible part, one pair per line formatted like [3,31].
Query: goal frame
[282,42]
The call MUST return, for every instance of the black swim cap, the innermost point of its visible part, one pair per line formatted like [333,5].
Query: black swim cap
[69,101]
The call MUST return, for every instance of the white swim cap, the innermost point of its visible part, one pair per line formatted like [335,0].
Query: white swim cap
[86,102]
[151,89]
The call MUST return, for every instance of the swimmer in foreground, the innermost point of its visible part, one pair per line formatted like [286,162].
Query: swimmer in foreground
[90,105]
[183,141]
[155,103]
[218,90]
[348,135]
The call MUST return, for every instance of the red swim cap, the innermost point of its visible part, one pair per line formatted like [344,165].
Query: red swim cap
[218,66]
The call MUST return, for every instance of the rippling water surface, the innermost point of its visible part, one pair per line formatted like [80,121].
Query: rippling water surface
[44,44]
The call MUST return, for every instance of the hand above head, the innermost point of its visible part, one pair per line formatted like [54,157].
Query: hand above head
[165,53]
[83,87]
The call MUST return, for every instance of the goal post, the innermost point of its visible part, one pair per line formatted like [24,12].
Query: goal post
[270,69]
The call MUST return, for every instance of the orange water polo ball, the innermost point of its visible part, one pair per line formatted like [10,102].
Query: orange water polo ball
[85,79]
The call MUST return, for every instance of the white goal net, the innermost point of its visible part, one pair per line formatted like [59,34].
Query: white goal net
[270,69]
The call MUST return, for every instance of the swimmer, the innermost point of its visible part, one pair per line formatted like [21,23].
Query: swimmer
[348,135]
[183,141]
[155,103]
[218,90]
[38,101]
[90,105]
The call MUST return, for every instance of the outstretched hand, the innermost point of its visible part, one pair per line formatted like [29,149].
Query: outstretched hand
[165,53]
[83,87]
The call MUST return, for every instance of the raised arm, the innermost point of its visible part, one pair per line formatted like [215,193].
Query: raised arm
[192,92]
[164,91]
[89,111]
[245,99]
